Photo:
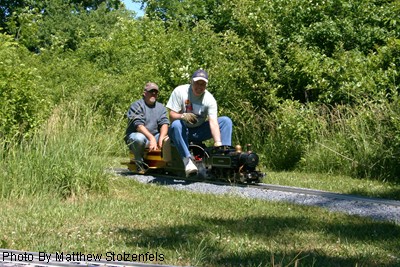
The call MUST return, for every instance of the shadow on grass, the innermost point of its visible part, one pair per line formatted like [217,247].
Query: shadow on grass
[304,258]
[210,241]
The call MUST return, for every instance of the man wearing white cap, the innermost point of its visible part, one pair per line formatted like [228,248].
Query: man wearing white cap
[193,112]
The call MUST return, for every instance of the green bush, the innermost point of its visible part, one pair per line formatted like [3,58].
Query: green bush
[22,94]
[282,70]
[292,129]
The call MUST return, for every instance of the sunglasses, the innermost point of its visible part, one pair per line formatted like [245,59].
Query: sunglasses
[153,91]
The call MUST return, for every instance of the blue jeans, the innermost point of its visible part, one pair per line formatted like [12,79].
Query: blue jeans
[182,135]
[137,142]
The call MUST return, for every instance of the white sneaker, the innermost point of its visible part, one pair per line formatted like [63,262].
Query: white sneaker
[190,168]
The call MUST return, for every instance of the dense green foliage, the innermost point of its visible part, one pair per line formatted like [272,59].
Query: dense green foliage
[311,85]
[20,12]
[22,94]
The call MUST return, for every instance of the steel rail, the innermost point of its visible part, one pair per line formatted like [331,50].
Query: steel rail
[306,191]
[281,188]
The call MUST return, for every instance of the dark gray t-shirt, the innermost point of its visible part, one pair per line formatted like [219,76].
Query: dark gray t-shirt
[152,117]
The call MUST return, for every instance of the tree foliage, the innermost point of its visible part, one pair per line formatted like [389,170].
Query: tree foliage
[313,35]
[12,8]
[59,23]
[23,104]
[272,64]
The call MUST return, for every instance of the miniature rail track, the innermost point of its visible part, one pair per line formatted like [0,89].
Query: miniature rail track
[289,189]
[17,258]
[332,195]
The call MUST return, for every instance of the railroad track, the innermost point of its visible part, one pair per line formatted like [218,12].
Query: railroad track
[15,258]
[328,194]
[288,189]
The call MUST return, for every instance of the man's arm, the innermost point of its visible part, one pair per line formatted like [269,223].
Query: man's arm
[163,134]
[173,115]
[190,118]
[153,142]
[215,132]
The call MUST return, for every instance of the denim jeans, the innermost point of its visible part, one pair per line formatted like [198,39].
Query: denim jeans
[182,135]
[137,142]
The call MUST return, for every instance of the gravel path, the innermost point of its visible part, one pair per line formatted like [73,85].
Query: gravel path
[379,212]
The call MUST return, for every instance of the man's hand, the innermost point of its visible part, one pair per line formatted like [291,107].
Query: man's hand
[152,145]
[189,118]
[161,141]
[218,143]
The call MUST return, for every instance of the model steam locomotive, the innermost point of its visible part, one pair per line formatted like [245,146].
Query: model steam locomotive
[213,163]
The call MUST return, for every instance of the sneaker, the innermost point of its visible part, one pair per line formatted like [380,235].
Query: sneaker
[140,169]
[190,168]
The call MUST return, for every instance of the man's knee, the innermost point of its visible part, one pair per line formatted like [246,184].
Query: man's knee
[225,121]
[176,126]
[137,138]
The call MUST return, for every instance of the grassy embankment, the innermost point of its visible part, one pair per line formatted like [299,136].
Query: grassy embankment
[56,196]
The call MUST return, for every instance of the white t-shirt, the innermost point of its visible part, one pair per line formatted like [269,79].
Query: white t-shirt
[182,100]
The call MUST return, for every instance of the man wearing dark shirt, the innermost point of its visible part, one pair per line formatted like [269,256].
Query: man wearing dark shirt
[147,123]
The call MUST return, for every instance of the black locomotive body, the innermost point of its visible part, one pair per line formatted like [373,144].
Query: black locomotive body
[225,163]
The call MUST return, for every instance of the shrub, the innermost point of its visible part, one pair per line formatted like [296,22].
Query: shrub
[292,129]
[22,94]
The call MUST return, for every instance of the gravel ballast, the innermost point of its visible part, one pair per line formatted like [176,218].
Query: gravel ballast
[375,211]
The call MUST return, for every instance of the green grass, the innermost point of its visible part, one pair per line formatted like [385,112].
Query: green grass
[64,158]
[335,183]
[196,229]
[57,197]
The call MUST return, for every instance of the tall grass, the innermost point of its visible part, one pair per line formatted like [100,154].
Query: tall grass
[361,141]
[64,158]
[292,129]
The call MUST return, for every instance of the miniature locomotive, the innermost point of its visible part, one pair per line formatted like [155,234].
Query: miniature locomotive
[213,163]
